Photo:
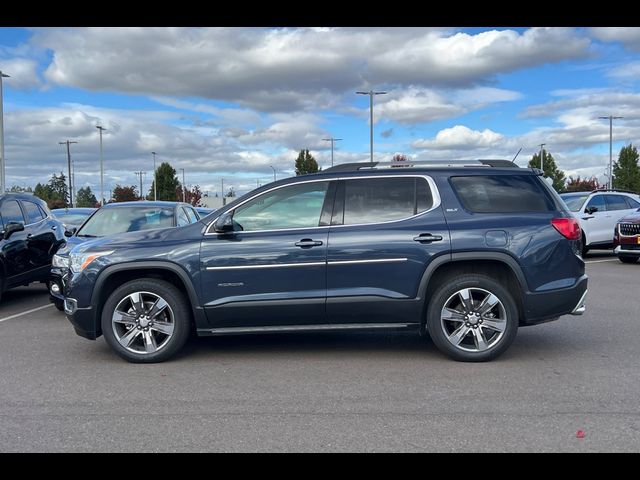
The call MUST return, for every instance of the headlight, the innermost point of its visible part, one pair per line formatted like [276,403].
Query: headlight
[60,262]
[80,261]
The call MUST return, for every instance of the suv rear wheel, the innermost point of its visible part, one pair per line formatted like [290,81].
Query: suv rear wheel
[472,318]
[146,320]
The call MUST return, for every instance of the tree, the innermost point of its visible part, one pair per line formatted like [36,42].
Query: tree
[550,169]
[168,184]
[231,193]
[125,194]
[581,184]
[19,189]
[305,163]
[86,198]
[55,192]
[626,172]
[194,195]
[399,157]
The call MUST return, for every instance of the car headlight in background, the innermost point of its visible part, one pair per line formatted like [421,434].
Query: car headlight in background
[79,261]
[60,262]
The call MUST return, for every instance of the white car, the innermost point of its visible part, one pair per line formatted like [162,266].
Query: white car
[598,213]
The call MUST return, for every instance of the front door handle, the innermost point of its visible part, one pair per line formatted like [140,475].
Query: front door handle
[53,227]
[427,238]
[308,243]
[588,217]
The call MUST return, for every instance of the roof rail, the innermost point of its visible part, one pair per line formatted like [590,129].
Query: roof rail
[350,167]
[613,190]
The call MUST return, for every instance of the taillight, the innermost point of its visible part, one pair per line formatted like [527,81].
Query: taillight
[568,227]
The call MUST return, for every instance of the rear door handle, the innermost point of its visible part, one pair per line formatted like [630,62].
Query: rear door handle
[427,238]
[308,243]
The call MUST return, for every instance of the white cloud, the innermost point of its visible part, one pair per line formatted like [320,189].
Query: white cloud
[23,73]
[291,69]
[629,70]
[630,36]
[460,137]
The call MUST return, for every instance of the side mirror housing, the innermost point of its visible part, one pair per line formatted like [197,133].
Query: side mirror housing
[11,228]
[70,233]
[591,210]
[224,223]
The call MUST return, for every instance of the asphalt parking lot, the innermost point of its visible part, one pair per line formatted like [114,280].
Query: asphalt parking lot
[328,392]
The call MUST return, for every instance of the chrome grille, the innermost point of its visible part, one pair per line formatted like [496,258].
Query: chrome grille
[629,229]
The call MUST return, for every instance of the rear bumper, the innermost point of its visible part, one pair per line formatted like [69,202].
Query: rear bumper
[542,307]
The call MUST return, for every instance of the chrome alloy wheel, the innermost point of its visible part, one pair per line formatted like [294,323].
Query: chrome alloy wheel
[143,322]
[473,319]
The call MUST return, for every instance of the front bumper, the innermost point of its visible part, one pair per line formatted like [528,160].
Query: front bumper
[542,307]
[627,250]
[57,285]
[83,319]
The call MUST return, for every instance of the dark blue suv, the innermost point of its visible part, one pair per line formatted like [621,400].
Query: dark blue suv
[465,251]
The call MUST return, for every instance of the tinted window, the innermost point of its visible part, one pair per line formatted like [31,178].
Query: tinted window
[632,203]
[501,194]
[296,206]
[597,202]
[182,217]
[616,202]
[374,200]
[11,212]
[108,221]
[34,214]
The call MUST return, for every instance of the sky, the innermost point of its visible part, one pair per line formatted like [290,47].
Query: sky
[235,104]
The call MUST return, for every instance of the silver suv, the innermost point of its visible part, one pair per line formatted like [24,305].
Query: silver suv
[598,213]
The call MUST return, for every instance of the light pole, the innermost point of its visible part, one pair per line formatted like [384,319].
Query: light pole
[611,118]
[332,140]
[274,173]
[542,157]
[100,129]
[140,174]
[67,143]
[155,178]
[371,93]
[184,188]
[2,183]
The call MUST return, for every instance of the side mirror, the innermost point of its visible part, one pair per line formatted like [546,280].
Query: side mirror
[70,233]
[12,227]
[591,210]
[224,223]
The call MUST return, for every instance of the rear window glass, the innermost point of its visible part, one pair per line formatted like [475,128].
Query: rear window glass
[501,194]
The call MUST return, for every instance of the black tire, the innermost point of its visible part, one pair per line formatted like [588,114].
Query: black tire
[440,330]
[59,305]
[625,259]
[178,308]
[585,249]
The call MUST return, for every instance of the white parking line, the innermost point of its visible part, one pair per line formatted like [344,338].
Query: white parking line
[25,312]
[599,261]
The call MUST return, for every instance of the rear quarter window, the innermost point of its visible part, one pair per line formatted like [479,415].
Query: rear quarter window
[501,193]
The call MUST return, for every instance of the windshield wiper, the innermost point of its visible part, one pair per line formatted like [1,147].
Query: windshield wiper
[87,236]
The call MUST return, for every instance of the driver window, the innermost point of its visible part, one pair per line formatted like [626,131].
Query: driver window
[597,202]
[296,206]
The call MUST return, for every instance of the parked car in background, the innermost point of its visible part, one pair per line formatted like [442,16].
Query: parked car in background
[29,238]
[203,212]
[627,238]
[115,219]
[467,252]
[72,217]
[598,213]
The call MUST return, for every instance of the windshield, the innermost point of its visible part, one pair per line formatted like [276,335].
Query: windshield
[574,201]
[72,218]
[108,221]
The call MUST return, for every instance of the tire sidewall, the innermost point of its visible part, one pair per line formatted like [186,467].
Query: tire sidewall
[172,296]
[451,286]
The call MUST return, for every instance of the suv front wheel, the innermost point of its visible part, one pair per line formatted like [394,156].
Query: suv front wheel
[146,320]
[472,318]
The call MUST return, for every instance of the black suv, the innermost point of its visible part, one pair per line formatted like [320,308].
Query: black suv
[29,238]
[466,252]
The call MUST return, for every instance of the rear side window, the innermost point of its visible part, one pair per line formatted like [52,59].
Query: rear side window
[616,202]
[632,203]
[501,194]
[34,213]
[374,200]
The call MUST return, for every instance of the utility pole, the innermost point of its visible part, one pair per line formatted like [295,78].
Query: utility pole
[331,140]
[101,167]
[155,178]
[224,199]
[2,160]
[184,188]
[274,172]
[140,173]
[371,93]
[611,118]
[67,143]
[542,156]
